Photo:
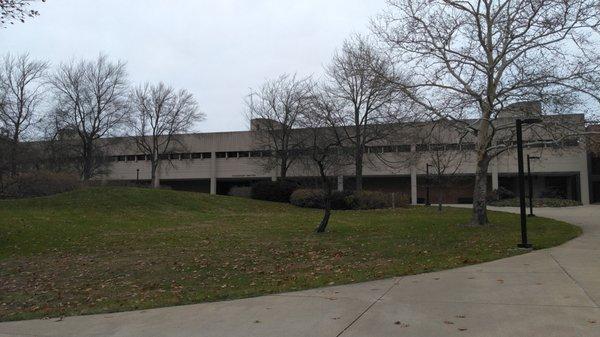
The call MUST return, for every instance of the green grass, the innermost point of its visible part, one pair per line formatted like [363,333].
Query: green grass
[114,249]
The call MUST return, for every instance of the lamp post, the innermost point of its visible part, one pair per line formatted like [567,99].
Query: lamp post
[427,199]
[137,176]
[519,125]
[530,180]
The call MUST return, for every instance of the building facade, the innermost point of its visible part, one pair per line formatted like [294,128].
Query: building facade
[218,162]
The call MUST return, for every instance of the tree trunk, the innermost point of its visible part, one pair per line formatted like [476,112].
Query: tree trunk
[13,157]
[359,168]
[480,194]
[327,189]
[283,168]
[86,173]
[440,193]
[154,174]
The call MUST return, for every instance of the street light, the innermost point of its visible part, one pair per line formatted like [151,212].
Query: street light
[137,176]
[427,200]
[519,125]
[530,180]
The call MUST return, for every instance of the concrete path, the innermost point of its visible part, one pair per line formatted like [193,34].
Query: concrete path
[554,292]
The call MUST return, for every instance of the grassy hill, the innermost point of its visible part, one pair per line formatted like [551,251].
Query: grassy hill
[113,249]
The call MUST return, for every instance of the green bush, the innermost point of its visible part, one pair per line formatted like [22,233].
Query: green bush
[312,198]
[371,200]
[38,184]
[279,191]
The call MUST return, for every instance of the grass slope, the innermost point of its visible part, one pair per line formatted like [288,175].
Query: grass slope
[113,249]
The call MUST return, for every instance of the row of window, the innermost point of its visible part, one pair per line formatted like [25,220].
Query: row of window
[369,149]
[196,155]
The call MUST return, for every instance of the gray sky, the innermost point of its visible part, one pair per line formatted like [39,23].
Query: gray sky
[217,49]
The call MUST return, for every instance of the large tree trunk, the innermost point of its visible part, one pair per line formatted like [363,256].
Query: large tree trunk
[480,194]
[481,173]
[154,174]
[327,212]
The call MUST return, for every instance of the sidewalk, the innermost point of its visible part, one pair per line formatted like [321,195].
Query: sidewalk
[554,292]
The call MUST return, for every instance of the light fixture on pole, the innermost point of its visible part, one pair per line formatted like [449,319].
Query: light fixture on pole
[530,181]
[519,125]
[137,176]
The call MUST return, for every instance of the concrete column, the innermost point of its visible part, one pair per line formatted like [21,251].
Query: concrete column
[213,173]
[495,180]
[413,178]
[340,183]
[584,179]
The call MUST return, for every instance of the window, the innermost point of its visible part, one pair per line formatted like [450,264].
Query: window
[221,154]
[163,156]
[403,148]
[206,155]
[141,157]
[131,158]
[256,154]
[196,155]
[121,158]
[388,149]
[422,147]
[452,147]
[244,154]
[186,156]
[232,154]
[468,146]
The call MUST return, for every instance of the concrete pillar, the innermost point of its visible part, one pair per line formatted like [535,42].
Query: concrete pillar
[584,179]
[213,173]
[413,178]
[340,183]
[495,179]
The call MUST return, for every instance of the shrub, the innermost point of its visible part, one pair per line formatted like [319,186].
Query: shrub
[279,191]
[500,194]
[38,184]
[311,198]
[371,200]
[240,191]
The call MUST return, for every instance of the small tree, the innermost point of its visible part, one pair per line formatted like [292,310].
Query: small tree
[468,61]
[359,82]
[90,101]
[277,105]
[16,10]
[322,148]
[160,113]
[444,150]
[21,87]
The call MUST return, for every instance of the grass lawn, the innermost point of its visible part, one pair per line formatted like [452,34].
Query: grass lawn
[114,249]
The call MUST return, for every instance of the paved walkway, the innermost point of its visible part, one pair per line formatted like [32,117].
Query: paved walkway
[554,292]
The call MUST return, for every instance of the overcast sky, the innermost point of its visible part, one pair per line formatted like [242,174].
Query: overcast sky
[217,49]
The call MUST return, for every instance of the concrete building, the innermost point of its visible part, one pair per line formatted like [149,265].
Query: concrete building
[217,162]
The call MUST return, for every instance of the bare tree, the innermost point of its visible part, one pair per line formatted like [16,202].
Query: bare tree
[468,61]
[359,82]
[16,10]
[445,151]
[21,88]
[160,113]
[91,101]
[276,106]
[322,147]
